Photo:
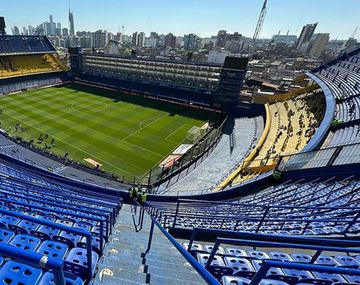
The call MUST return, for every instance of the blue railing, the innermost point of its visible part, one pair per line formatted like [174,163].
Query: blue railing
[269,241]
[75,231]
[35,259]
[169,214]
[208,278]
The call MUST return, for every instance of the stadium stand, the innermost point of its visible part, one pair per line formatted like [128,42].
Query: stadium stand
[291,230]
[291,208]
[342,78]
[289,126]
[28,62]
[58,223]
[190,82]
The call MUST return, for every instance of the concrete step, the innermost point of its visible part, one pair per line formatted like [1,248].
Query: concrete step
[123,261]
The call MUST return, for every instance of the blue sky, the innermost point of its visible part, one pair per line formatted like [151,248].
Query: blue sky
[203,17]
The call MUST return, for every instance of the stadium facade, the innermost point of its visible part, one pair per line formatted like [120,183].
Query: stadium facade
[191,83]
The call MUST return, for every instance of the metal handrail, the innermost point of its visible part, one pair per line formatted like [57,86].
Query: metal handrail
[208,278]
[35,259]
[75,231]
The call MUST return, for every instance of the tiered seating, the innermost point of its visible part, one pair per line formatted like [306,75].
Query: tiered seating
[342,76]
[349,109]
[312,208]
[290,260]
[45,218]
[25,44]
[18,65]
[293,122]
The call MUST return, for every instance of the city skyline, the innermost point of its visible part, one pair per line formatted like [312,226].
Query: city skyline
[191,19]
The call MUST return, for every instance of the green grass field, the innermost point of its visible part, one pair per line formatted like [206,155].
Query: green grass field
[127,134]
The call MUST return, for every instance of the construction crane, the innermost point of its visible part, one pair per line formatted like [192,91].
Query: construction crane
[260,22]
[354,33]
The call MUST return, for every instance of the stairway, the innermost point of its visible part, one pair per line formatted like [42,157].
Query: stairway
[123,263]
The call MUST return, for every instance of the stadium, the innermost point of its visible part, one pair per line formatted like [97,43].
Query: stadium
[107,170]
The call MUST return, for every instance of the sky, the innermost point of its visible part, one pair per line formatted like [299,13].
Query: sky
[202,17]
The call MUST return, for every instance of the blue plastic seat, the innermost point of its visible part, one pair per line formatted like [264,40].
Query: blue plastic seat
[68,238]
[27,225]
[82,226]
[16,273]
[45,231]
[194,246]
[353,279]
[76,261]
[203,258]
[25,242]
[48,279]
[66,222]
[53,249]
[272,282]
[347,261]
[95,243]
[280,256]
[6,220]
[326,260]
[314,282]
[5,235]
[335,278]
[272,271]
[258,254]
[301,257]
[234,280]
[235,251]
[209,249]
[300,274]
[241,266]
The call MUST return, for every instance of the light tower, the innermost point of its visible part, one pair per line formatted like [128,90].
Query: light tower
[260,22]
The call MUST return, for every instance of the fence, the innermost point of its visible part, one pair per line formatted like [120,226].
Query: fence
[334,156]
[158,175]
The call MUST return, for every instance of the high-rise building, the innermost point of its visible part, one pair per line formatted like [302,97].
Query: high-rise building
[71,24]
[191,42]
[99,39]
[52,26]
[317,45]
[65,32]
[31,30]
[141,39]
[25,31]
[58,29]
[134,39]
[306,35]
[16,31]
[170,40]
[85,41]
[138,39]
[223,38]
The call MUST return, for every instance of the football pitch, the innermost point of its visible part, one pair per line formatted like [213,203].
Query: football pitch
[126,134]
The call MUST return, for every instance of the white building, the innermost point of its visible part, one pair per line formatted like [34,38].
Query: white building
[141,39]
[151,42]
[218,57]
[99,39]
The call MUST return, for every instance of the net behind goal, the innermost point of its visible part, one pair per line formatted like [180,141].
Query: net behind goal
[194,134]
